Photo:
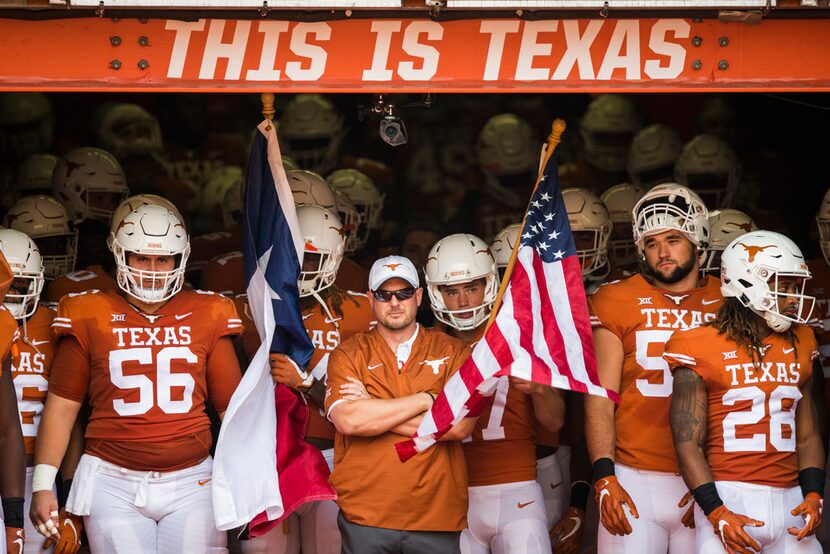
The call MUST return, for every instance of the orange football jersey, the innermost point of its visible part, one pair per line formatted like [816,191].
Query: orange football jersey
[643,317]
[93,277]
[751,434]
[148,375]
[8,332]
[204,248]
[32,356]
[225,274]
[352,276]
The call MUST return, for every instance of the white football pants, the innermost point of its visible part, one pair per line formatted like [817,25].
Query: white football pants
[768,504]
[658,529]
[506,519]
[555,490]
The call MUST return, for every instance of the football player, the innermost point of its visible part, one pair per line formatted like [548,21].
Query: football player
[709,166]
[26,124]
[330,315]
[506,511]
[724,226]
[46,222]
[652,155]
[311,132]
[12,452]
[146,358]
[34,175]
[742,412]
[31,365]
[634,464]
[620,200]
[591,227]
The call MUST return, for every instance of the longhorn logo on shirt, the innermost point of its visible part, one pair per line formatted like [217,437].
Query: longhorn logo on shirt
[435,364]
[676,299]
[753,251]
[392,267]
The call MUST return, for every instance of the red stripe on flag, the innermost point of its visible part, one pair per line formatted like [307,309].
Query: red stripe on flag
[579,306]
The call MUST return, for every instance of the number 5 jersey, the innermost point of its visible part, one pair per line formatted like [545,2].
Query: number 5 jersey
[643,317]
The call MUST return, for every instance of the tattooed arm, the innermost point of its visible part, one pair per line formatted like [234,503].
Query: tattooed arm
[689,414]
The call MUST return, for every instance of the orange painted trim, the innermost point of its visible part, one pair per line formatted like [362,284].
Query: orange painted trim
[484,55]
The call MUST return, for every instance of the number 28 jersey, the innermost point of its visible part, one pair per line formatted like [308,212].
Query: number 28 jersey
[643,317]
[751,434]
[148,375]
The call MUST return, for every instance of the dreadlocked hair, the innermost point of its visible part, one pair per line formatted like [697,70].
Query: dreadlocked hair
[334,296]
[742,325]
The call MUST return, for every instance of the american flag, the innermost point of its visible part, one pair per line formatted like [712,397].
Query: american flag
[541,331]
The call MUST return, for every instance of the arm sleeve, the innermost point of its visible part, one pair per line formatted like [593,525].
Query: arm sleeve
[341,366]
[678,354]
[69,321]
[70,370]
[223,374]
[604,312]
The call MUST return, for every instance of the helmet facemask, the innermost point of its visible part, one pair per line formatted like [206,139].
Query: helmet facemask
[149,286]
[22,301]
[319,270]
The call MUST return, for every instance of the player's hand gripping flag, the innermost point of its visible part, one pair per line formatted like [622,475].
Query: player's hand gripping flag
[539,330]
[263,469]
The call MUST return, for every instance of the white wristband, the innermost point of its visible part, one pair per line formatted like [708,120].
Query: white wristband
[43,478]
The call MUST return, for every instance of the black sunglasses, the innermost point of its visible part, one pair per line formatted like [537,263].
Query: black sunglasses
[386,295]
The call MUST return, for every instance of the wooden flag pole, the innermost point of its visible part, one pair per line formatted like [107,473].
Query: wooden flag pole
[268,111]
[557,129]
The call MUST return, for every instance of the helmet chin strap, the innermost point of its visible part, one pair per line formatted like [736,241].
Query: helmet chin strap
[319,299]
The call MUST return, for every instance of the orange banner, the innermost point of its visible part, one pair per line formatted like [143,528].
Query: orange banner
[407,55]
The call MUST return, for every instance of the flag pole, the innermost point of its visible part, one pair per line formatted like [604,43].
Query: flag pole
[268,111]
[557,129]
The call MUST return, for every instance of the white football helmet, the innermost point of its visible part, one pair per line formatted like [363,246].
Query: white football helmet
[672,206]
[311,131]
[457,259]
[823,222]
[129,130]
[24,260]
[308,187]
[324,236]
[507,145]
[724,227]
[652,155]
[45,221]
[34,176]
[504,243]
[751,267]
[591,227]
[350,218]
[607,128]
[90,183]
[26,123]
[153,231]
[366,197]
[620,200]
[133,203]
[710,167]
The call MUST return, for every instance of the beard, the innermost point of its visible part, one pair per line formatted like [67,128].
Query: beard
[678,274]
[396,324]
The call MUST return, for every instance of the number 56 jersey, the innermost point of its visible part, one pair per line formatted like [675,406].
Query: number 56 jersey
[643,317]
[147,376]
[751,433]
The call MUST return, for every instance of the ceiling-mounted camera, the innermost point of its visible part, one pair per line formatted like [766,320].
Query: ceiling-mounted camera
[391,130]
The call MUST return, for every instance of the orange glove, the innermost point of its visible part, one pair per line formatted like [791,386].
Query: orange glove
[566,535]
[729,527]
[810,510]
[70,527]
[688,518]
[286,371]
[14,540]
[610,497]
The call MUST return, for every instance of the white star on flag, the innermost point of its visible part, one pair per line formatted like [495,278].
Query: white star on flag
[559,253]
[554,235]
[545,196]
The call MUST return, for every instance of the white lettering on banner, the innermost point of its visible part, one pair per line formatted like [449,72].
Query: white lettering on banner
[626,37]
[234,51]
[317,54]
[411,50]
[266,70]
[498,32]
[578,50]
[182,41]
[531,48]
[659,45]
